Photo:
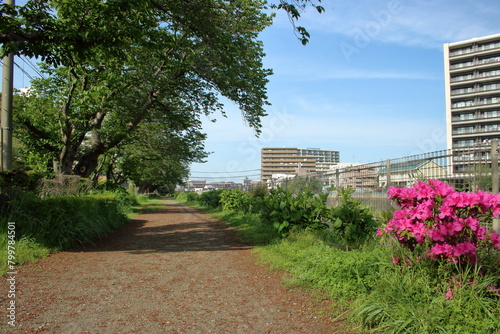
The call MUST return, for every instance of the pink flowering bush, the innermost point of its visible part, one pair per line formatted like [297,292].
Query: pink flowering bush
[449,225]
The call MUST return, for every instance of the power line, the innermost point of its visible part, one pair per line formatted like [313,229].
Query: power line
[223,177]
[24,71]
[239,171]
[33,66]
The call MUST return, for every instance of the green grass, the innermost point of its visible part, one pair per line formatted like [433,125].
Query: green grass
[380,296]
[414,301]
[26,250]
[311,263]
[376,295]
[250,227]
[46,226]
[363,284]
[145,204]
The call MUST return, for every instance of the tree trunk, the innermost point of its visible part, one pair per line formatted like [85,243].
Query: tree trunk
[87,164]
[66,159]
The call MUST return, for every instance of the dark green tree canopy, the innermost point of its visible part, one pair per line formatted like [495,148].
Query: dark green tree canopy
[113,65]
[62,31]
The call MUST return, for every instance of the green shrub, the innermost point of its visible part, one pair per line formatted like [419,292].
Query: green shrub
[259,191]
[210,198]
[192,197]
[304,210]
[63,222]
[235,200]
[125,200]
[352,222]
[108,186]
[14,185]
[189,197]
[19,180]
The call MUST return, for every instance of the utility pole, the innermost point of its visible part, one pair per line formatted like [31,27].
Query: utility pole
[6,115]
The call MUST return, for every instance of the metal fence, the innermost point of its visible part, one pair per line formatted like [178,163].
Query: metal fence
[469,168]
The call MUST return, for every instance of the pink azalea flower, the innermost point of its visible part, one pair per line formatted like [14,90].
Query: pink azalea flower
[419,231]
[393,192]
[456,199]
[436,235]
[495,238]
[489,201]
[441,188]
[450,231]
[449,294]
[392,225]
[493,289]
[403,213]
[472,199]
[424,210]
[443,229]
[423,191]
[481,232]
[408,262]
[496,210]
[455,226]
[446,211]
[439,250]
[472,223]
[464,248]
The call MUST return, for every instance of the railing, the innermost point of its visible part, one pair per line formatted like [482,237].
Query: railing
[475,63]
[477,76]
[485,88]
[485,47]
[468,168]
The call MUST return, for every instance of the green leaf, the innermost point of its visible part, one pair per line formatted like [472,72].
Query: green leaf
[337,223]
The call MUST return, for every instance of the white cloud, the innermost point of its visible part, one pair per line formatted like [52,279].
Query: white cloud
[318,73]
[419,23]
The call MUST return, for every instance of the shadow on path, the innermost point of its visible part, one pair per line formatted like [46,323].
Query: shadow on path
[179,228]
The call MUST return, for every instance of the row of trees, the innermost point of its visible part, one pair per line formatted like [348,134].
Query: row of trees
[126,82]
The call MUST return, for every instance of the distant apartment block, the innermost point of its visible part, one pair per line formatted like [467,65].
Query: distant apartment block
[472,80]
[295,161]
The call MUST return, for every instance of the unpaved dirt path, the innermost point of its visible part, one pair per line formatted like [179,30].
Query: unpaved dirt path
[172,270]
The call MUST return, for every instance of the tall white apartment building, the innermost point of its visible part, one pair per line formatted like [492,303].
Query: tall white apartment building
[472,80]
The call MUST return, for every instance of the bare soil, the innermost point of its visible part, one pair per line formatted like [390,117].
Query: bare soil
[172,270]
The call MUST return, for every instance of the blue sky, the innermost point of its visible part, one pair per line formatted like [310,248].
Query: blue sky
[370,83]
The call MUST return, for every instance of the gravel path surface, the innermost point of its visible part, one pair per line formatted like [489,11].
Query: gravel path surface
[172,270]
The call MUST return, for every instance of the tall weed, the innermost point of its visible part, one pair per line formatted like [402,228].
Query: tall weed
[63,222]
[413,296]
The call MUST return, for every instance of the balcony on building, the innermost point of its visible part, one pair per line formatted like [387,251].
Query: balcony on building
[475,49]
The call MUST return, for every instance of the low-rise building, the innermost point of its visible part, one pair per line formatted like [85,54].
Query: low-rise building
[408,173]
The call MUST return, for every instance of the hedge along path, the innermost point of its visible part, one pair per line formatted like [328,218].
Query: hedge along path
[173,270]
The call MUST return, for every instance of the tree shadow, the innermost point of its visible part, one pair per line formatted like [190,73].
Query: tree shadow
[177,228]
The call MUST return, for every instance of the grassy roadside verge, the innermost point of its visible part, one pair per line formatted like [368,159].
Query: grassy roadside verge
[38,228]
[369,287]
